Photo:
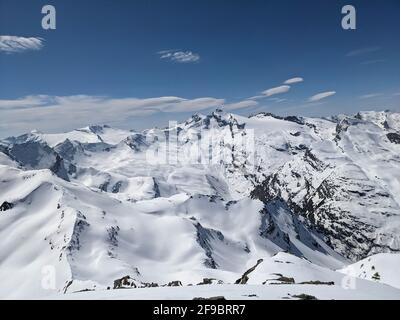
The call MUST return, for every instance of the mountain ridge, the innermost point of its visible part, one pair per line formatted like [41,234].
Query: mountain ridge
[326,190]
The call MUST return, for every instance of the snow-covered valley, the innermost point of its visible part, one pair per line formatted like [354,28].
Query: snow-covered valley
[259,207]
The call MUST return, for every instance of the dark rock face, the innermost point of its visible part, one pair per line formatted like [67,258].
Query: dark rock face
[3,148]
[67,150]
[324,219]
[386,125]
[69,283]
[205,281]
[59,168]
[285,280]
[294,119]
[116,188]
[29,153]
[394,137]
[150,285]
[341,127]
[319,283]
[136,142]
[130,283]
[36,154]
[208,281]
[304,296]
[271,229]
[245,276]
[156,189]
[124,283]
[204,238]
[318,202]
[112,235]
[79,227]
[6,206]
[217,298]
[174,284]
[96,129]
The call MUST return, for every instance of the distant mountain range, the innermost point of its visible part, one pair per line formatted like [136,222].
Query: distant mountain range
[216,200]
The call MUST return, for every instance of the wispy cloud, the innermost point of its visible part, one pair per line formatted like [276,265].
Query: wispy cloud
[370,95]
[55,113]
[25,102]
[179,56]
[307,105]
[369,62]
[321,96]
[294,80]
[277,100]
[257,97]
[362,51]
[14,44]
[241,105]
[277,90]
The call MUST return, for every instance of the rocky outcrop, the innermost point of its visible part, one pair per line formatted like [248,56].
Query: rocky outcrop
[174,284]
[216,298]
[128,282]
[281,279]
[204,239]
[125,282]
[209,281]
[245,277]
[394,137]
[304,296]
[6,206]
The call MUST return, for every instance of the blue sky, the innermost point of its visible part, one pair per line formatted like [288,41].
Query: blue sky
[136,64]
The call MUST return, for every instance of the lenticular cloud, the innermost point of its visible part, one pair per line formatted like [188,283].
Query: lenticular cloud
[13,44]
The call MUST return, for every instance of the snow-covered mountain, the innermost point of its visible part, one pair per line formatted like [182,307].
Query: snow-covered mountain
[219,199]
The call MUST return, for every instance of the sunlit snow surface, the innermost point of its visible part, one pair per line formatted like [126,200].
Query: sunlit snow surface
[91,206]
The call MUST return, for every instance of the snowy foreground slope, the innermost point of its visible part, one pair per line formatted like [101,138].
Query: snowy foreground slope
[221,205]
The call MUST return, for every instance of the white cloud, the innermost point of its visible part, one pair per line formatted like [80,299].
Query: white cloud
[26,102]
[240,105]
[179,56]
[321,96]
[258,97]
[55,114]
[277,90]
[13,44]
[277,100]
[294,80]
[362,51]
[370,96]
[193,105]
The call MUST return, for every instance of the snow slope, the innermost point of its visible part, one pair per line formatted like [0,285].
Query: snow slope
[382,268]
[207,198]
[241,292]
